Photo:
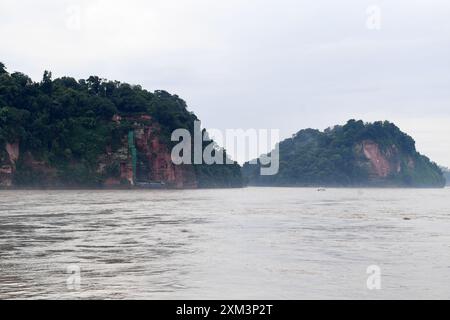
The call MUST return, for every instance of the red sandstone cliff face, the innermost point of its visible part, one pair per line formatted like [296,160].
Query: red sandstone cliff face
[158,160]
[119,159]
[8,165]
[383,163]
[381,166]
[154,159]
[13,151]
[154,162]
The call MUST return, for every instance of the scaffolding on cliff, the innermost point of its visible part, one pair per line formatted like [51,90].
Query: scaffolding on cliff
[133,153]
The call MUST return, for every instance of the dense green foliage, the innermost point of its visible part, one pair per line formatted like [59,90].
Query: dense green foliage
[446,172]
[68,124]
[332,157]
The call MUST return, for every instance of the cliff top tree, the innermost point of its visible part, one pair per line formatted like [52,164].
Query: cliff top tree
[2,68]
[47,83]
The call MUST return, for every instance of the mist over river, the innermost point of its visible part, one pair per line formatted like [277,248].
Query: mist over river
[252,243]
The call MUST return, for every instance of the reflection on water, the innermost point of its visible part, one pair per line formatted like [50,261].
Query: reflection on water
[260,243]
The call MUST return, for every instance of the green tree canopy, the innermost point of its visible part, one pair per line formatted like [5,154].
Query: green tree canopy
[2,68]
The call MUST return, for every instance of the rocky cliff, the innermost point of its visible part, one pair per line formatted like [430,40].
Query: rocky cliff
[95,133]
[114,166]
[8,158]
[356,154]
[153,163]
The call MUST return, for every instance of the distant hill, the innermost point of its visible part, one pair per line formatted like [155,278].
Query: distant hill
[446,172]
[67,133]
[356,154]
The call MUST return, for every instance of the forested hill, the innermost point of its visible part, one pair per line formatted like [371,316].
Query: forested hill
[94,133]
[446,175]
[356,154]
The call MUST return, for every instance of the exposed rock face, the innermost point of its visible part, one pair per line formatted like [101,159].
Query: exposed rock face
[157,162]
[119,160]
[383,164]
[6,173]
[8,165]
[154,164]
[13,151]
[46,174]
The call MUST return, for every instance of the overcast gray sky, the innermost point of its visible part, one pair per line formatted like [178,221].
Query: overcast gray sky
[286,64]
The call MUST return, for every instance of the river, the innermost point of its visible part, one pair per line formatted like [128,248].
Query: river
[252,243]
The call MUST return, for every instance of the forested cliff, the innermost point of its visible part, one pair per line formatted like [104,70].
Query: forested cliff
[94,133]
[67,133]
[356,154]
